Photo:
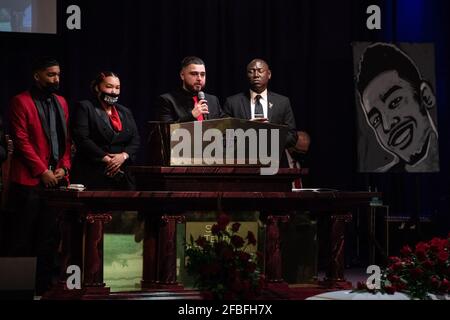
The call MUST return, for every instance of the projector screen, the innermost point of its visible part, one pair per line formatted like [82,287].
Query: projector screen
[30,16]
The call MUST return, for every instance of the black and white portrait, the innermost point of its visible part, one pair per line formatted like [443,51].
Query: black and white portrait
[396,107]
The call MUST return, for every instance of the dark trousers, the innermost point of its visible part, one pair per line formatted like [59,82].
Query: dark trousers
[33,232]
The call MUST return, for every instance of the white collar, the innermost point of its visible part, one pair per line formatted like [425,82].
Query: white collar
[263,95]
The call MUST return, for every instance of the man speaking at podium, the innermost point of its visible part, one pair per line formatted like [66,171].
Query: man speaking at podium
[189,103]
[260,104]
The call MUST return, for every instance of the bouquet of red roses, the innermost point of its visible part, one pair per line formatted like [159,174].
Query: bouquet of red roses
[223,269]
[419,271]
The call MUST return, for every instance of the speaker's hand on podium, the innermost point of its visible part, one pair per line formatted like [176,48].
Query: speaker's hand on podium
[260,120]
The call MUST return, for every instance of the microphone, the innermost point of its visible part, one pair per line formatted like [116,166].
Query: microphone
[201,96]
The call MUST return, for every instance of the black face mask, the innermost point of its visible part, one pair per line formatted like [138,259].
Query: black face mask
[109,98]
[51,88]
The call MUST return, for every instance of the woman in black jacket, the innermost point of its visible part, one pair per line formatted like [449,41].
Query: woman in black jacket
[106,138]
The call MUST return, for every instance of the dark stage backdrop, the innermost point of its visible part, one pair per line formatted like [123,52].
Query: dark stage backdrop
[306,42]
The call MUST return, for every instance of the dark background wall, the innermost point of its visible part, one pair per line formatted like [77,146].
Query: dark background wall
[306,42]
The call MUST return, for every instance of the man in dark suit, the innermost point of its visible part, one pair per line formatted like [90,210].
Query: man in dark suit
[41,159]
[184,104]
[260,104]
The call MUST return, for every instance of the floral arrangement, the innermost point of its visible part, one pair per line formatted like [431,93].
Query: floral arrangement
[222,268]
[418,272]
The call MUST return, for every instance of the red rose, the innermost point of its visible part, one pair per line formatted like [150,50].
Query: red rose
[443,256]
[435,283]
[390,289]
[394,259]
[421,250]
[201,242]
[235,227]
[428,264]
[393,278]
[438,244]
[215,229]
[416,273]
[397,266]
[251,238]
[406,250]
[223,221]
[445,285]
[237,241]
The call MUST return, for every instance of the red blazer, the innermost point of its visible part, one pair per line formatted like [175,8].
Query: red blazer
[31,144]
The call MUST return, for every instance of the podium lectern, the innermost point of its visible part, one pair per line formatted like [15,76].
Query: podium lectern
[217,142]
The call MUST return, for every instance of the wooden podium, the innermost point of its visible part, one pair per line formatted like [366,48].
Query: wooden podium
[253,137]
[241,153]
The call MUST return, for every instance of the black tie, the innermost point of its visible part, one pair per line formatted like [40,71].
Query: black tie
[259,113]
[53,132]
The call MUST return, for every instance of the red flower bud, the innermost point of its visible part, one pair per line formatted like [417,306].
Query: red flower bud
[406,250]
[445,285]
[393,278]
[394,259]
[390,289]
[428,264]
[201,241]
[215,229]
[235,227]
[251,238]
[223,221]
[443,256]
[435,283]
[416,273]
[237,241]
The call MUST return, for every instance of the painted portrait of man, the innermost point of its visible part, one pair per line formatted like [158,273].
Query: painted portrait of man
[398,106]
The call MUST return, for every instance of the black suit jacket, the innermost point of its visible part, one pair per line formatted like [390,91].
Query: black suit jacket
[177,106]
[94,138]
[279,112]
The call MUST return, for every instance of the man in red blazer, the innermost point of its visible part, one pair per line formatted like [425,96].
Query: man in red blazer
[41,159]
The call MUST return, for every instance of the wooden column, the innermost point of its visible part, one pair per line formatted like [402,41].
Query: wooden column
[93,253]
[336,259]
[160,253]
[272,254]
